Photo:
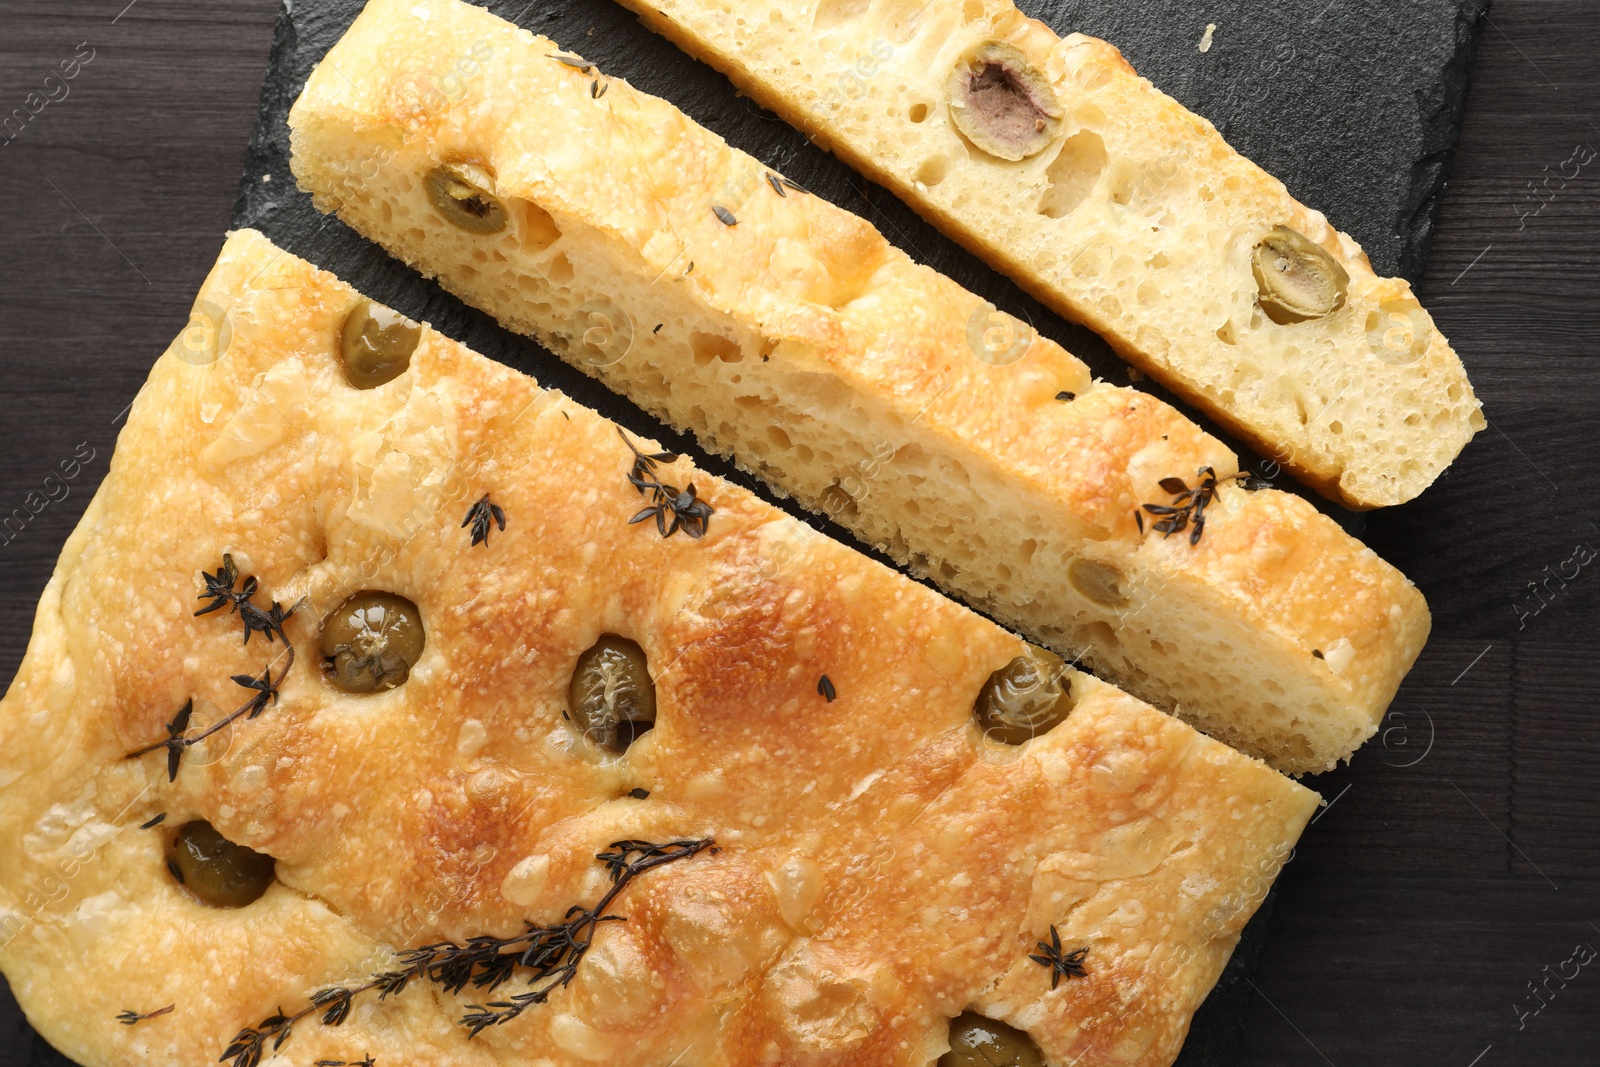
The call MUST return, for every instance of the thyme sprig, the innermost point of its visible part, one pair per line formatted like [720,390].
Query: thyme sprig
[687,512]
[178,739]
[219,590]
[1188,506]
[480,515]
[364,1062]
[1061,964]
[250,1044]
[128,1017]
[333,1003]
[551,953]
[554,952]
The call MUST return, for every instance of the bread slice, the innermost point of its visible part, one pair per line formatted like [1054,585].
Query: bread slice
[1129,214]
[880,865]
[787,332]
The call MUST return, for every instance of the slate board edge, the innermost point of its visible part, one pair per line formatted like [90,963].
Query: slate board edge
[1430,176]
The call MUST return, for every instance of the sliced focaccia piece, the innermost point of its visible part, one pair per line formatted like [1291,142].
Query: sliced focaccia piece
[1115,205]
[787,333]
[779,762]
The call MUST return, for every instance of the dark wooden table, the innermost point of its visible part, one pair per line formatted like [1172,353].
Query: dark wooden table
[1459,863]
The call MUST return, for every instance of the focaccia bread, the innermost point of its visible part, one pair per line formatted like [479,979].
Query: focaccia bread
[787,333]
[819,856]
[1118,207]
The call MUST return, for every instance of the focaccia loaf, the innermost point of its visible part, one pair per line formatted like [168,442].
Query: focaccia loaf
[787,333]
[1128,213]
[880,865]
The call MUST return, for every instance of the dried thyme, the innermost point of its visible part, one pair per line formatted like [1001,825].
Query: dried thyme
[1061,964]
[479,517]
[550,953]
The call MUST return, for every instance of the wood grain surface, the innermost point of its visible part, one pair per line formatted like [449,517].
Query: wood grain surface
[1459,863]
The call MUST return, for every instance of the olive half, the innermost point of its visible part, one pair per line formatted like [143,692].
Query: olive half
[1001,102]
[464,194]
[611,697]
[371,642]
[1297,278]
[375,344]
[1099,582]
[979,1042]
[1027,697]
[216,870]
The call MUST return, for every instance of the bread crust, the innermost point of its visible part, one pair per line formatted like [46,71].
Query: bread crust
[796,339]
[1138,220]
[881,867]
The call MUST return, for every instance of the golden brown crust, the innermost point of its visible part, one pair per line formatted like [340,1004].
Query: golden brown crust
[881,868]
[847,366]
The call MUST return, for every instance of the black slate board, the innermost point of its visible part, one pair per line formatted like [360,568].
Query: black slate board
[1355,104]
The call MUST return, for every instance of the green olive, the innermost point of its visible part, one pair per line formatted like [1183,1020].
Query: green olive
[1099,582]
[612,698]
[375,344]
[1027,697]
[464,194]
[1001,102]
[371,642]
[1297,278]
[979,1042]
[216,870]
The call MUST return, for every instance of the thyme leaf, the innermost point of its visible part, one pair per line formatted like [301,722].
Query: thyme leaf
[1250,481]
[577,63]
[480,515]
[335,1004]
